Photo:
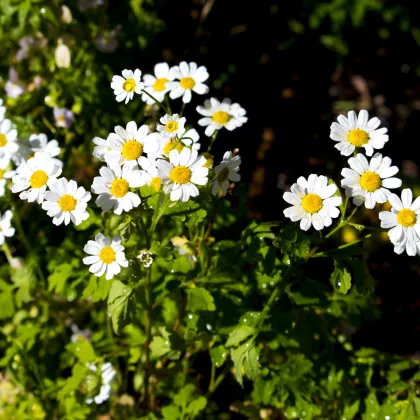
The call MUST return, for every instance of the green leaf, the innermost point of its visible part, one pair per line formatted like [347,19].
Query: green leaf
[341,278]
[218,355]
[7,307]
[197,404]
[120,305]
[245,360]
[239,334]
[200,299]
[171,412]
[168,343]
[351,410]
[83,350]
[57,280]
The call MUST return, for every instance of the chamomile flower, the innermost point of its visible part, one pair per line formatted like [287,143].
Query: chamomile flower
[182,173]
[8,137]
[125,87]
[225,172]
[150,173]
[66,202]
[113,187]
[78,334]
[107,376]
[127,145]
[157,85]
[403,221]
[6,173]
[368,182]
[313,202]
[218,115]
[101,147]
[63,117]
[105,256]
[6,229]
[33,177]
[171,126]
[40,143]
[190,78]
[358,131]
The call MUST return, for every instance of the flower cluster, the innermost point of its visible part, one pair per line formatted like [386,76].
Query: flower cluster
[165,157]
[167,160]
[366,182]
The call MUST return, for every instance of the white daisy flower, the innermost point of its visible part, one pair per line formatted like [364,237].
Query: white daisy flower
[107,376]
[101,147]
[369,182]
[313,202]
[150,173]
[403,221]
[171,126]
[221,114]
[157,85]
[127,145]
[5,174]
[40,143]
[113,188]
[8,137]
[358,131]
[124,87]
[33,177]
[190,79]
[225,172]
[182,173]
[66,202]
[106,255]
[6,229]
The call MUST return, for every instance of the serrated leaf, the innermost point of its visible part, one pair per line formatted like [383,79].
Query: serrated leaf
[218,355]
[239,334]
[200,299]
[120,305]
[351,410]
[341,278]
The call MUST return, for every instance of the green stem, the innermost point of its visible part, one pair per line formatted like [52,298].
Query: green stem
[157,102]
[147,368]
[168,105]
[159,213]
[214,383]
[341,224]
[144,229]
[343,215]
[7,252]
[182,109]
[325,253]
[212,140]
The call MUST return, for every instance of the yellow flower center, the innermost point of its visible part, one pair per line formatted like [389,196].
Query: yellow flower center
[159,84]
[221,117]
[358,137]
[2,171]
[406,217]
[370,181]
[209,160]
[187,83]
[223,175]
[171,126]
[38,179]
[3,140]
[180,174]
[67,202]
[119,188]
[312,203]
[107,255]
[129,85]
[61,118]
[132,150]
[156,183]
[171,145]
